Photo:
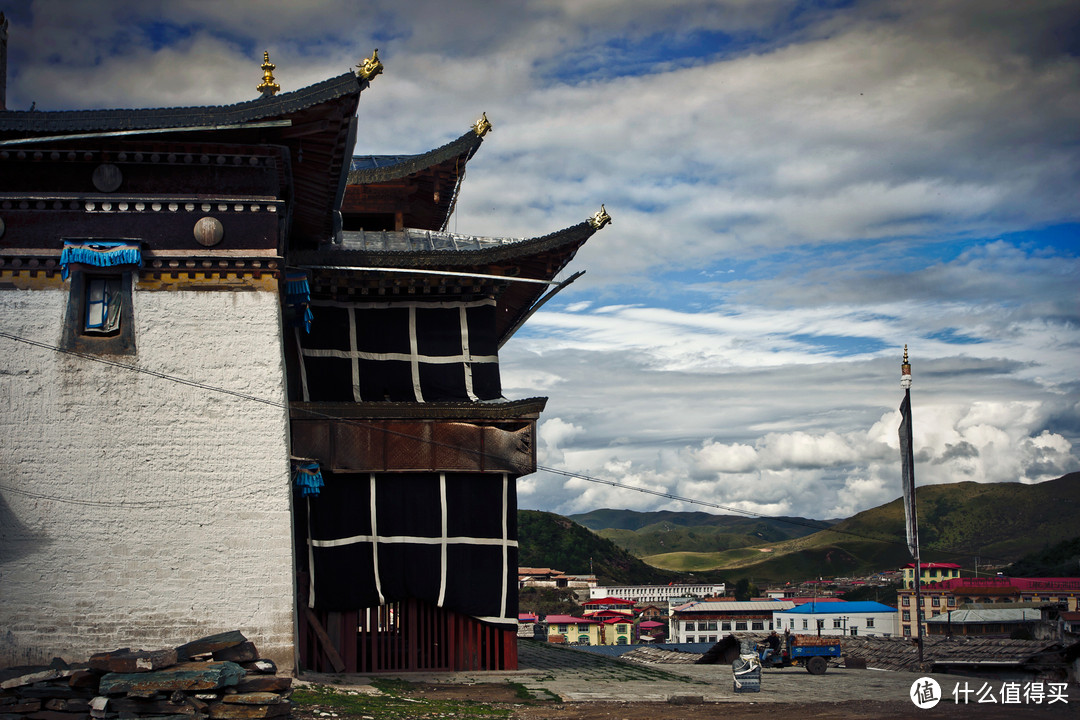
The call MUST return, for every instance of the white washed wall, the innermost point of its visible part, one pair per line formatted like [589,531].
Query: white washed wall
[136,511]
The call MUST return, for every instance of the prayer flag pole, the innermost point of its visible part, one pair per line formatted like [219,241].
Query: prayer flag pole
[907,470]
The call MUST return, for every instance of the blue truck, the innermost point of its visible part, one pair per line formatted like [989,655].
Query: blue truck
[809,651]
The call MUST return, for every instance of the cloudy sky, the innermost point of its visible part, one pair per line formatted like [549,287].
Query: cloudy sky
[798,189]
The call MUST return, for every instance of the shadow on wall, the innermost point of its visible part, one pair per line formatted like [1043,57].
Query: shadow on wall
[16,539]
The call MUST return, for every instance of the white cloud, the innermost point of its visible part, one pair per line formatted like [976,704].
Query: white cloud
[791,204]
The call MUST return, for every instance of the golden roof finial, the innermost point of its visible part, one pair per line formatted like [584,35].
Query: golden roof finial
[482,126]
[369,67]
[905,371]
[600,219]
[268,87]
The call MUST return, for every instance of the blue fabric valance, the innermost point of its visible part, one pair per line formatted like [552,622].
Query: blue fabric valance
[307,477]
[99,254]
[298,297]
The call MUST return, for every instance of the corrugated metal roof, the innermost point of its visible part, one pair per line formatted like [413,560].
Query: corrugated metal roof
[714,607]
[999,615]
[839,607]
[410,240]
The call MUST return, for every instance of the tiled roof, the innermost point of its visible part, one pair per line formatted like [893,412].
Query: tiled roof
[34,122]
[902,654]
[366,169]
[898,653]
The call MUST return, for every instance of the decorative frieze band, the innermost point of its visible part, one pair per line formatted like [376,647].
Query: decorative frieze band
[138,205]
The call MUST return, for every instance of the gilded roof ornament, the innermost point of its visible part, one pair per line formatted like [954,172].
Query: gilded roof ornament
[905,371]
[600,219]
[482,126]
[370,67]
[268,87]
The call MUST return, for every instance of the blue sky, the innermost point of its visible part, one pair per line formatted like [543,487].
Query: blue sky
[798,189]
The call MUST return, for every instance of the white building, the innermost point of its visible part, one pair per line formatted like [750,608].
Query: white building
[701,622]
[656,593]
[838,618]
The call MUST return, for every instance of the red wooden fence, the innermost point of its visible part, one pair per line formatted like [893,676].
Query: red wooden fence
[406,636]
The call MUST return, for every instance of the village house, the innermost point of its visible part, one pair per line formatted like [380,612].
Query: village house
[946,595]
[837,618]
[254,384]
[985,621]
[572,630]
[929,572]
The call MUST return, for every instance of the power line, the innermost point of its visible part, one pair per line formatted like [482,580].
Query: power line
[353,421]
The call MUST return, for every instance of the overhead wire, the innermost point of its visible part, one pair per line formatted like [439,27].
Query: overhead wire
[353,421]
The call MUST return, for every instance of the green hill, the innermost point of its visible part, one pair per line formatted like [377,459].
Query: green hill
[652,533]
[549,540]
[1060,560]
[997,522]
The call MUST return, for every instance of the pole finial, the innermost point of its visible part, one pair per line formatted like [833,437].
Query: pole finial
[268,87]
[905,371]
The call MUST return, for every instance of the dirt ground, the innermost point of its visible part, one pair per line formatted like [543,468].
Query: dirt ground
[503,697]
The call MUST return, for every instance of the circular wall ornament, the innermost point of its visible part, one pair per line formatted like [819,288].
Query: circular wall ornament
[209,231]
[107,177]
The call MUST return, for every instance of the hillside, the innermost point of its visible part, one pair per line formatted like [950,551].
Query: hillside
[549,540]
[651,533]
[1060,560]
[998,522]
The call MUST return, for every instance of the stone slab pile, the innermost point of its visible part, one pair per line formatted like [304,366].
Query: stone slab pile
[220,677]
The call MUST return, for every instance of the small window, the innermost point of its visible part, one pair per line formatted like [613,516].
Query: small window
[691,626]
[836,623]
[936,602]
[740,624]
[869,622]
[906,601]
[725,625]
[757,625]
[906,617]
[804,626]
[103,302]
[100,313]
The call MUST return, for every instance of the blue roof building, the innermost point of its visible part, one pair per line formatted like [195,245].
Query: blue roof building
[838,618]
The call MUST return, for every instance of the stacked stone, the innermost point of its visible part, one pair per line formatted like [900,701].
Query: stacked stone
[215,678]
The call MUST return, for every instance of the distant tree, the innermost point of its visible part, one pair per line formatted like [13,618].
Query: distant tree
[547,601]
[1059,560]
[744,590]
[884,594]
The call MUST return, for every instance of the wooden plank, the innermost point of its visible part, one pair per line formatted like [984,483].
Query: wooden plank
[324,639]
[350,622]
